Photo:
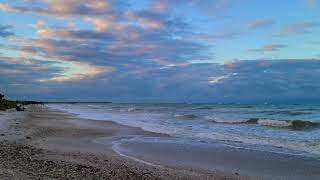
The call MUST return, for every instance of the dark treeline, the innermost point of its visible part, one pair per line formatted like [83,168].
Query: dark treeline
[9,104]
[76,102]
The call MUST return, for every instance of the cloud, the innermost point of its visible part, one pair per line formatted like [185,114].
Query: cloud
[16,60]
[226,35]
[23,70]
[134,34]
[117,52]
[5,72]
[146,20]
[100,13]
[256,81]
[205,7]
[212,8]
[273,80]
[111,48]
[312,3]
[160,6]
[222,35]
[259,23]
[87,71]
[119,37]
[33,59]
[298,28]
[39,24]
[5,31]
[122,44]
[269,48]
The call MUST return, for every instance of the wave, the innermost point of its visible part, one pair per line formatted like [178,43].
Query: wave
[225,121]
[203,108]
[94,106]
[185,116]
[289,113]
[134,109]
[293,124]
[274,123]
[309,109]
[247,106]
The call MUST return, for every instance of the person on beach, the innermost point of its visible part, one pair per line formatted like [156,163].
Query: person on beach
[20,107]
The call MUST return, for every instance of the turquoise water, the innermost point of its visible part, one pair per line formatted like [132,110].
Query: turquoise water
[292,129]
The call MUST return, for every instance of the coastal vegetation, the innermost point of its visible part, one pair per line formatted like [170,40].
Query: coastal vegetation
[5,104]
[9,104]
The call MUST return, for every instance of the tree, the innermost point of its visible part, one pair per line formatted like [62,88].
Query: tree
[1,96]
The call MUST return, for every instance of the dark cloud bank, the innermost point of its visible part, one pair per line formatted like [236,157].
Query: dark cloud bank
[5,31]
[278,81]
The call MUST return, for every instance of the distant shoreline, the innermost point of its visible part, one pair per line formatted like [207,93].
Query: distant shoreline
[75,102]
[10,104]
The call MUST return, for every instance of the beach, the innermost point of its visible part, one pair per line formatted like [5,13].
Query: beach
[160,89]
[45,143]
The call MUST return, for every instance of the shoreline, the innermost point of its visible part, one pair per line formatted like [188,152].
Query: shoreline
[48,144]
[43,137]
[230,124]
[210,157]
[272,162]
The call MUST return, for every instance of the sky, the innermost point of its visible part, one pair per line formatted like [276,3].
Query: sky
[219,51]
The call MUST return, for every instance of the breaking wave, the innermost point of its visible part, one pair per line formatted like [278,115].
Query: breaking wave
[94,106]
[203,108]
[134,109]
[288,113]
[294,124]
[185,116]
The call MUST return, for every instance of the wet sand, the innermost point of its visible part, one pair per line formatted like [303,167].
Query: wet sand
[267,165]
[47,144]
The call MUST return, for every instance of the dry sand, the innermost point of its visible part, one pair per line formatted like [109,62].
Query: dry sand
[47,144]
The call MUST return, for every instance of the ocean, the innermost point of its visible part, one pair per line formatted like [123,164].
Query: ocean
[288,129]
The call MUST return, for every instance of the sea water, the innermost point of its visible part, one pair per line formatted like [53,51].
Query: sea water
[289,129]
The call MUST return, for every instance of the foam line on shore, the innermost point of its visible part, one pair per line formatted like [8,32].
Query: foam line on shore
[116,148]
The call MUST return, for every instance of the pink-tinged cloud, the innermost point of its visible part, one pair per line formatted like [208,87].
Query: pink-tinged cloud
[312,3]
[86,71]
[145,21]
[269,48]
[298,28]
[39,24]
[160,6]
[99,13]
[259,23]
